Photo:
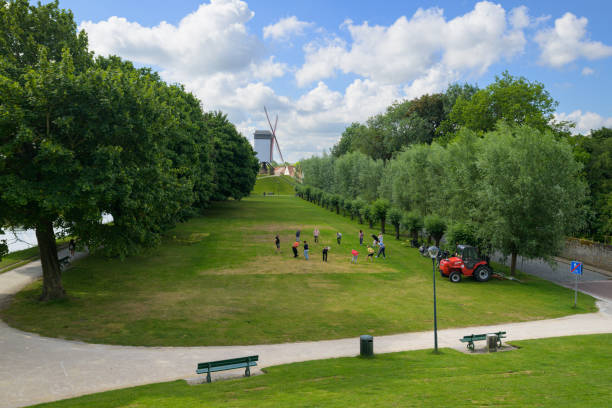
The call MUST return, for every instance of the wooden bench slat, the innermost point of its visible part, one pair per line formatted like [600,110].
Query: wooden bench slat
[225,367]
[228,362]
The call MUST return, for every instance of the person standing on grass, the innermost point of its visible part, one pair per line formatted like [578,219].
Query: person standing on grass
[339,237]
[305,250]
[370,253]
[72,247]
[381,250]
[354,258]
[316,235]
[297,235]
[277,242]
[325,249]
[360,237]
[294,247]
[380,238]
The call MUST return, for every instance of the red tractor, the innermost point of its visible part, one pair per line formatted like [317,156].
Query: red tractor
[466,263]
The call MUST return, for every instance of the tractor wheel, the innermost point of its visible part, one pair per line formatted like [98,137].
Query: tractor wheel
[455,277]
[482,274]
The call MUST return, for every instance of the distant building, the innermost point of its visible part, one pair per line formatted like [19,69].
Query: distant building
[264,143]
[286,171]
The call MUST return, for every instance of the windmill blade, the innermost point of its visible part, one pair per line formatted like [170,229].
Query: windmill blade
[275,123]
[273,129]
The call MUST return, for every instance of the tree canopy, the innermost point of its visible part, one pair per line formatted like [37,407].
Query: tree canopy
[80,137]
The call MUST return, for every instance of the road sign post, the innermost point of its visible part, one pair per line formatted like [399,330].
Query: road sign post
[576,269]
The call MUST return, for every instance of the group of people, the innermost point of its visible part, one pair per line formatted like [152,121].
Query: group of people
[378,242]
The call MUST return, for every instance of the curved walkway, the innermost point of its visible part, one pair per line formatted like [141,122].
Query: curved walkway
[36,369]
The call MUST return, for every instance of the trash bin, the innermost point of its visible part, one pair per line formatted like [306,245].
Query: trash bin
[492,343]
[366,343]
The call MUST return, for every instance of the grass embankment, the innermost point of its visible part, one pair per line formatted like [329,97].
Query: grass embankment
[559,372]
[218,280]
[278,185]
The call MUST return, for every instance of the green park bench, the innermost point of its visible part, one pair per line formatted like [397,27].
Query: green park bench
[477,337]
[229,364]
[64,262]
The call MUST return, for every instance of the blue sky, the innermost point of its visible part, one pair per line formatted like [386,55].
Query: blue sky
[321,65]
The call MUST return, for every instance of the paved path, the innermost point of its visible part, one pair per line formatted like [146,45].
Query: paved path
[596,282]
[36,369]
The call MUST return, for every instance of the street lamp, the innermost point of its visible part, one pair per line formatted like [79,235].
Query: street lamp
[433,253]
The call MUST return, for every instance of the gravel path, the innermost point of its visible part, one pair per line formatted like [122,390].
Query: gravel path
[36,369]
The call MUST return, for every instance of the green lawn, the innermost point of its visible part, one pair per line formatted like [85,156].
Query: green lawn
[558,372]
[218,280]
[282,185]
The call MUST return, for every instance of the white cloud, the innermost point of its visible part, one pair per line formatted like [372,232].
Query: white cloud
[285,28]
[568,41]
[421,47]
[585,122]
[587,71]
[212,39]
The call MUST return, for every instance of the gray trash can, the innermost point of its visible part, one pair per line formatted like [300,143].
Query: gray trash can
[366,343]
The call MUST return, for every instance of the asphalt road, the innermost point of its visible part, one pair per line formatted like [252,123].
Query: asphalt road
[593,282]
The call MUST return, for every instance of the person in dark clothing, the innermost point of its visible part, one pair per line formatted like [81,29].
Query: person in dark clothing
[72,247]
[339,237]
[305,250]
[381,250]
[325,249]
[295,246]
[277,242]
[297,235]
[360,237]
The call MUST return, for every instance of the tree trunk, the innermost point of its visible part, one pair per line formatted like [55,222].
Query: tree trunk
[337,209]
[370,222]
[438,242]
[513,264]
[382,225]
[351,216]
[397,232]
[52,275]
[360,219]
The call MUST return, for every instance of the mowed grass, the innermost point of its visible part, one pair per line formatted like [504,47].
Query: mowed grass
[218,280]
[558,372]
[282,185]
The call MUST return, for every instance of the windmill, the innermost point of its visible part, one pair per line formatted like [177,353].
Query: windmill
[274,139]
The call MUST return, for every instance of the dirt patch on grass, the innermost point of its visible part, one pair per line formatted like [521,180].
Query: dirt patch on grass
[280,265]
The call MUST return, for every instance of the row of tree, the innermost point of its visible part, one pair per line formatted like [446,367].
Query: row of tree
[516,189]
[82,136]
[439,117]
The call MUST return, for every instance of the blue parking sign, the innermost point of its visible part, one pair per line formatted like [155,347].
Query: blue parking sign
[576,268]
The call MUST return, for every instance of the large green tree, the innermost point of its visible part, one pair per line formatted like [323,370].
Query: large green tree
[235,165]
[79,138]
[512,99]
[530,193]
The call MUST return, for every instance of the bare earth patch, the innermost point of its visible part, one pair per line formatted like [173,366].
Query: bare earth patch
[285,264]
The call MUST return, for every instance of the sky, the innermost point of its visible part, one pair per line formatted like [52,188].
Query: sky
[321,65]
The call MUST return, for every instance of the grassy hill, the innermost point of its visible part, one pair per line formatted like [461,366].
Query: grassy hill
[560,372]
[218,280]
[282,185]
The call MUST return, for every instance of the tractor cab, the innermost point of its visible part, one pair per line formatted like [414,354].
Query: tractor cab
[469,255]
[466,262]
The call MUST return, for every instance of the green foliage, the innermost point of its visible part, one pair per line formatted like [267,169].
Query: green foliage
[358,207]
[514,100]
[380,208]
[395,217]
[435,226]
[412,221]
[595,153]
[234,161]
[531,193]
[461,233]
